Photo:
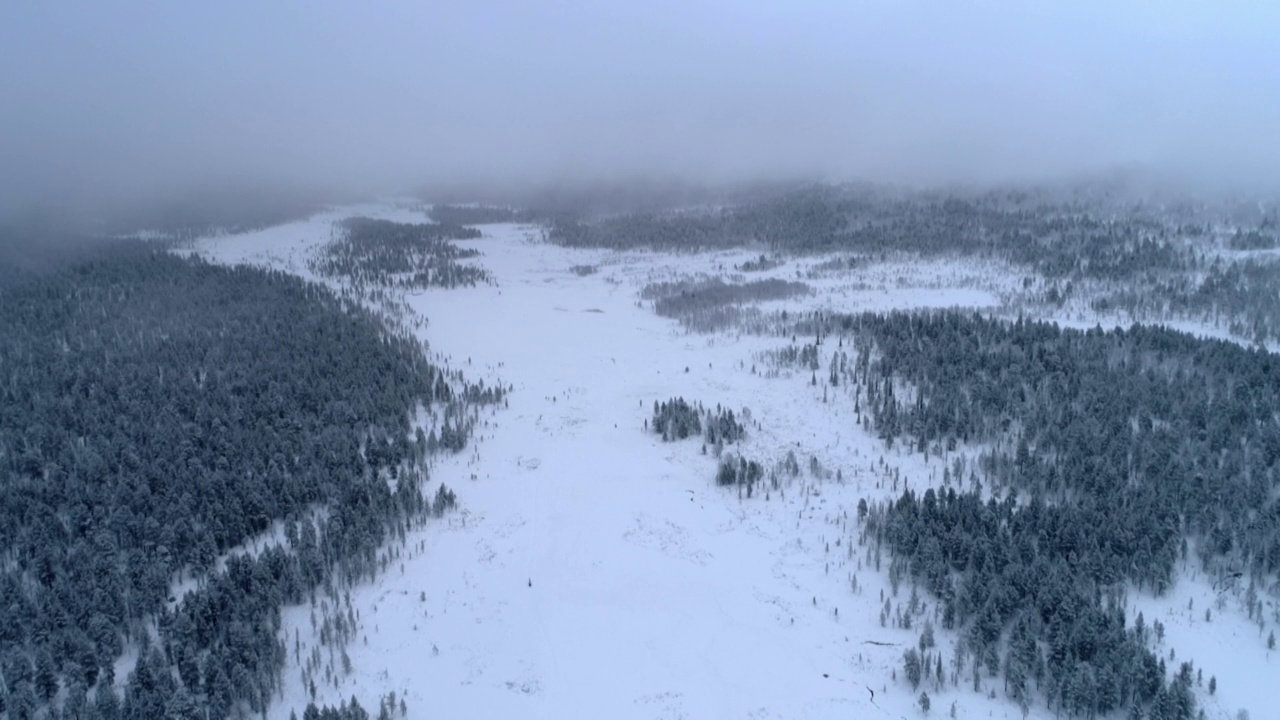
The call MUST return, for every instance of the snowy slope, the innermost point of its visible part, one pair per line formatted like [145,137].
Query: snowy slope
[593,570]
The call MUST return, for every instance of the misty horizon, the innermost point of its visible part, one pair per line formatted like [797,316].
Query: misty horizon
[120,105]
[820,359]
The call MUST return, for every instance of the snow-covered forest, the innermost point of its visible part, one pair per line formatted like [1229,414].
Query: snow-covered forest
[366,464]
[644,360]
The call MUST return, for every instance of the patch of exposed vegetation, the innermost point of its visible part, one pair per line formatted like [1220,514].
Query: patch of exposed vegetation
[760,264]
[709,304]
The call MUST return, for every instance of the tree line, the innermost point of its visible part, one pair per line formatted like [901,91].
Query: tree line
[477,214]
[1151,263]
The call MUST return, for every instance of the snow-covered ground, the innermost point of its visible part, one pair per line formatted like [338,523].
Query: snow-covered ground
[595,571]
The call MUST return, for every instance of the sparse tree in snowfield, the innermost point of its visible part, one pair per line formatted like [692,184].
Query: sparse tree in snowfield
[926,637]
[912,667]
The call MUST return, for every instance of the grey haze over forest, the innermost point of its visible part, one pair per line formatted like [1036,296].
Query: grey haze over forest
[119,101]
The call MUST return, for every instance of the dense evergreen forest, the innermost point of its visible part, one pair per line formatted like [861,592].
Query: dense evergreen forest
[1110,457]
[1252,240]
[1053,237]
[160,412]
[476,214]
[1147,417]
[407,256]
[1151,262]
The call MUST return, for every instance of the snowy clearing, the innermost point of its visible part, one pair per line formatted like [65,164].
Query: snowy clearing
[595,570]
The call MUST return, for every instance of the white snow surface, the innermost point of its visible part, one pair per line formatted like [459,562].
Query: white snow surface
[592,570]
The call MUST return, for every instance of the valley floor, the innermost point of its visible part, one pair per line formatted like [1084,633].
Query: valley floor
[593,570]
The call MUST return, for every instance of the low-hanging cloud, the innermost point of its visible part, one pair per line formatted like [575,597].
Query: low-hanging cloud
[125,100]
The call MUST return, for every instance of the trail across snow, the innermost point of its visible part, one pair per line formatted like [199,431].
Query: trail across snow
[593,570]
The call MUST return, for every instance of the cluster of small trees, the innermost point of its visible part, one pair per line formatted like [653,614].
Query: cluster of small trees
[389,708]
[677,419]
[722,427]
[706,304]
[370,252]
[737,470]
[352,710]
[760,264]
[837,264]
[685,297]
[794,355]
[924,664]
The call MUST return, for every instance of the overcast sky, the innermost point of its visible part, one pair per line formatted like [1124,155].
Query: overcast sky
[131,98]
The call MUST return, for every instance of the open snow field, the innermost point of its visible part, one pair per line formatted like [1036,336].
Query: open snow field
[595,571]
